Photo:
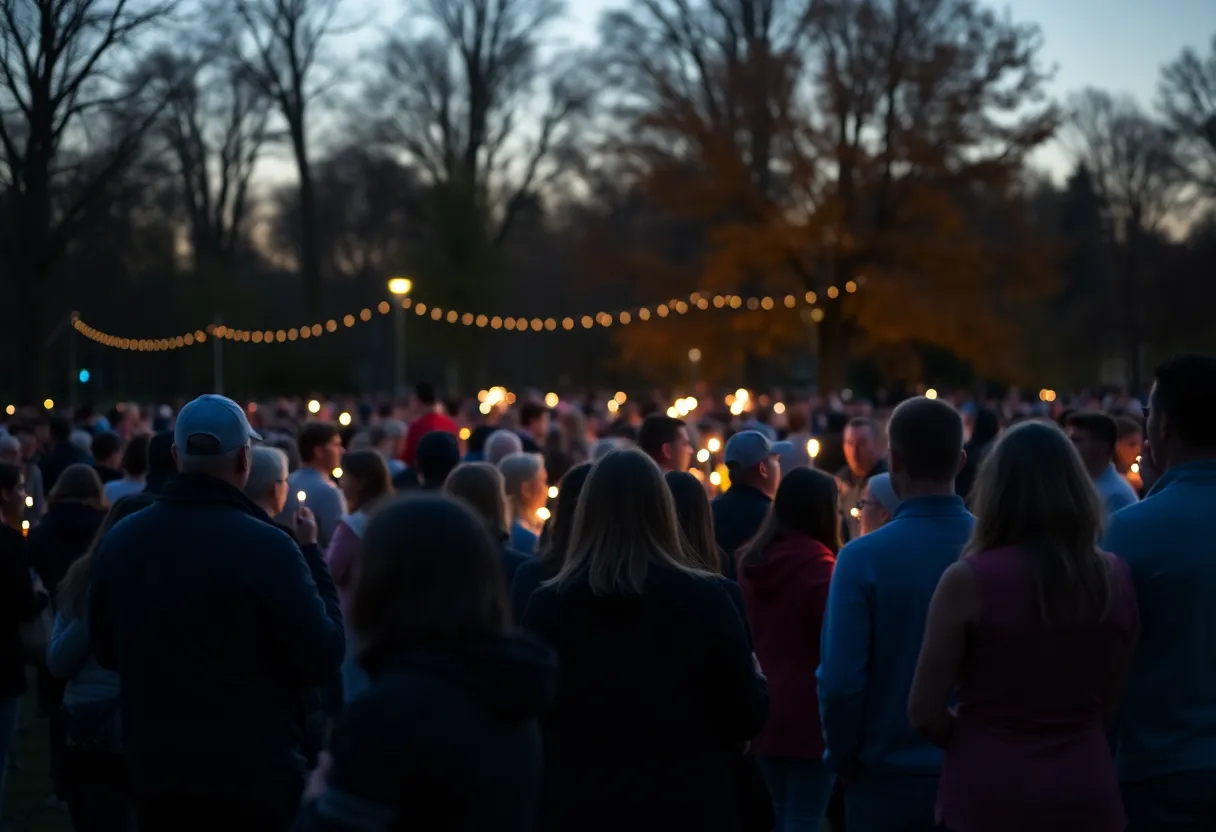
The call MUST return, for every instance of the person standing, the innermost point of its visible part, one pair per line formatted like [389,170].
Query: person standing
[1096,435]
[216,622]
[320,455]
[665,440]
[875,623]
[1165,748]
[863,453]
[755,473]
[1032,631]
[431,416]
[784,574]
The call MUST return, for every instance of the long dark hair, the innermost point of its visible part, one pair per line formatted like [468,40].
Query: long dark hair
[430,577]
[74,588]
[805,503]
[1033,493]
[696,518]
[554,552]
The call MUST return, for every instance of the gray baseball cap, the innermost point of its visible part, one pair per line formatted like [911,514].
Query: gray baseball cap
[748,448]
[218,417]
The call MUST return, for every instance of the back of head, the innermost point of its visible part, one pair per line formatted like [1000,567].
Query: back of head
[658,429]
[562,524]
[212,436]
[83,440]
[926,442]
[73,589]
[1182,405]
[1032,492]
[430,577]
[161,463]
[105,446]
[387,429]
[267,468]
[61,429]
[798,419]
[313,437]
[805,503]
[626,521]
[481,486]
[530,413]
[290,449]
[135,456]
[437,455]
[501,444]
[78,484]
[987,426]
[695,517]
[424,393]
[1098,425]
[369,471]
[518,469]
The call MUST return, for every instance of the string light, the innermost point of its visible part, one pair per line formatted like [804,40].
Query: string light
[676,306]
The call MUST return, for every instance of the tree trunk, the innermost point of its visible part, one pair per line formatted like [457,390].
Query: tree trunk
[310,246]
[833,349]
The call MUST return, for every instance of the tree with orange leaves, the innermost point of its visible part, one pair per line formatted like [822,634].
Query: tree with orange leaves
[819,145]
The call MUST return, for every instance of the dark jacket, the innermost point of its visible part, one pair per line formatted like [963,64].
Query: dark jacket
[61,457]
[18,604]
[63,535]
[216,623]
[528,578]
[786,593]
[444,739]
[510,559]
[656,693]
[738,515]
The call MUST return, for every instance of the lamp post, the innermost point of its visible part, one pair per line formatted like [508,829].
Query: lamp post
[694,360]
[399,288]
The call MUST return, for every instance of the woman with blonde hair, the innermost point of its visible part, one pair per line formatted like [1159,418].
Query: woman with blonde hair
[481,486]
[657,685]
[527,486]
[1032,632]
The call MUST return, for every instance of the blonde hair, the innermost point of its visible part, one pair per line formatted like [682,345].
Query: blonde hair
[625,522]
[518,470]
[481,486]
[1033,493]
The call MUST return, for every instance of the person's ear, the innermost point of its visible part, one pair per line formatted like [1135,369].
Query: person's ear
[242,459]
[962,462]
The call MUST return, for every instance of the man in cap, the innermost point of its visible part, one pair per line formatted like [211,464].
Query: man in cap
[216,621]
[755,472]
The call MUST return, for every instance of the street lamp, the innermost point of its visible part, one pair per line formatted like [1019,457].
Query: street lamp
[399,287]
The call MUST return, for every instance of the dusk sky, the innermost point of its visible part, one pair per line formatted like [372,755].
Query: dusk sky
[1118,45]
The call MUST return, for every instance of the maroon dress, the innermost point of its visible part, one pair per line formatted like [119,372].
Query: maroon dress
[1029,748]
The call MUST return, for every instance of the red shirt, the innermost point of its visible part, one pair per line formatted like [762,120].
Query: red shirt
[420,427]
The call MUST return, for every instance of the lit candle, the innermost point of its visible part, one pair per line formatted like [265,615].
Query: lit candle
[301,497]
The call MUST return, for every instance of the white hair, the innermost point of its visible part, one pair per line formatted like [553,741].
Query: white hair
[603,447]
[518,470]
[267,466]
[501,444]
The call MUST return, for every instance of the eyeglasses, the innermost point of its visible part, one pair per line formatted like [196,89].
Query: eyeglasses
[863,503]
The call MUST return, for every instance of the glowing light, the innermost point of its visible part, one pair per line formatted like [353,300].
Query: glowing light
[1046,395]
[714,445]
[542,513]
[465,433]
[337,473]
[620,397]
[49,404]
[29,502]
[1135,469]
[779,408]
[715,478]
[854,512]
[400,286]
[25,525]
[485,408]
[673,412]
[344,419]
[930,393]
[301,496]
[314,406]
[812,448]
[10,410]
[703,456]
[691,403]
[553,492]
[613,407]
[694,355]
[551,400]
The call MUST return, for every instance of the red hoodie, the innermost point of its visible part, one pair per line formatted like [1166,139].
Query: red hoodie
[785,595]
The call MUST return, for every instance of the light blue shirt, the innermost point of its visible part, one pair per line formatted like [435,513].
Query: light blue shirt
[872,632]
[1116,492]
[1168,719]
[322,497]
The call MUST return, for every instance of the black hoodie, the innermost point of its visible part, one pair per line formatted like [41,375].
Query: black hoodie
[444,739]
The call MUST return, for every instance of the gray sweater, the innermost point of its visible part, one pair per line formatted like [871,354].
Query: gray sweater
[70,656]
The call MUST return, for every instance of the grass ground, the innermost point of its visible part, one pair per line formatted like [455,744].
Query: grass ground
[29,785]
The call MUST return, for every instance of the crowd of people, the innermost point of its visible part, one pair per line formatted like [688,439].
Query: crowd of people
[579,616]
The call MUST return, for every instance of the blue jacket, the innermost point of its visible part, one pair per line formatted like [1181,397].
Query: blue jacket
[872,633]
[217,624]
[1168,719]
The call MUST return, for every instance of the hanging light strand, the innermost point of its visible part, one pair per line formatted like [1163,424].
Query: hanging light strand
[668,309]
